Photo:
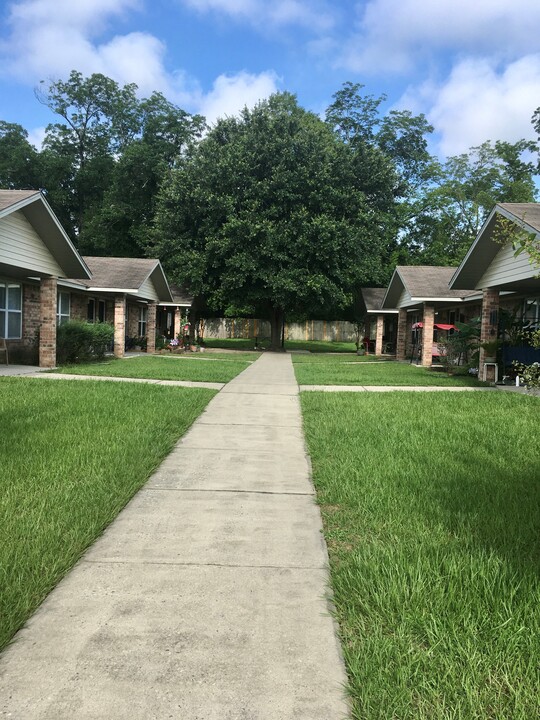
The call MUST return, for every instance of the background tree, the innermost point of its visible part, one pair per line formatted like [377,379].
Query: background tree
[19,160]
[266,215]
[448,214]
[103,162]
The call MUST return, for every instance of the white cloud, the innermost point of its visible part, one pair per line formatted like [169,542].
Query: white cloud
[480,101]
[315,15]
[396,36]
[36,137]
[49,38]
[231,93]
[477,103]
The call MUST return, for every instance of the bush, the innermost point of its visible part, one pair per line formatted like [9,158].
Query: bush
[78,341]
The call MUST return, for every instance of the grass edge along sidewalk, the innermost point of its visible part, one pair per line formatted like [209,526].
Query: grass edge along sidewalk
[430,512]
[333,371]
[73,454]
[158,367]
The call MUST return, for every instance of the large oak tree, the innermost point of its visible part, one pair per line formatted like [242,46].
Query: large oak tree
[268,214]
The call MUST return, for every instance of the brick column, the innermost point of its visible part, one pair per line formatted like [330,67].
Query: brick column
[427,334]
[47,328]
[379,335]
[119,325]
[490,322]
[401,337]
[177,325]
[151,328]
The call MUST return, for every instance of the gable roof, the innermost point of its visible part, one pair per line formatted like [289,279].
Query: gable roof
[485,247]
[37,211]
[372,299]
[127,275]
[181,296]
[14,197]
[421,283]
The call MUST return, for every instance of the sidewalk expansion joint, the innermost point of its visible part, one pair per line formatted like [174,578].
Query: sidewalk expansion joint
[233,492]
[319,568]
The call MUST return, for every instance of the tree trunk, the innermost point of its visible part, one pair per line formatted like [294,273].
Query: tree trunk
[277,317]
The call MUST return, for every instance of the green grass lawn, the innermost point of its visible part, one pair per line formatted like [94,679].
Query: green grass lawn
[308,345]
[431,513]
[72,455]
[330,371]
[165,367]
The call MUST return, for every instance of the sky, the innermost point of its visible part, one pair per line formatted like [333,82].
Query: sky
[471,66]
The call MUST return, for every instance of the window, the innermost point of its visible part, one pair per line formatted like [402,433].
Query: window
[63,308]
[95,310]
[531,313]
[91,311]
[10,311]
[142,321]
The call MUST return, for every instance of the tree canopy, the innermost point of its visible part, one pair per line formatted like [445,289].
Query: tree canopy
[268,214]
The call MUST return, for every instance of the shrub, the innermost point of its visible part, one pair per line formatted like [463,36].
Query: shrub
[530,373]
[78,341]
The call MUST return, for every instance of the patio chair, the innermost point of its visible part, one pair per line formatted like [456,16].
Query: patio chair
[4,349]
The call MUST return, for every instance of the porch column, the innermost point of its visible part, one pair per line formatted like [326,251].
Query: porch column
[47,317]
[401,337]
[119,325]
[379,335]
[427,334]
[151,328]
[177,324]
[490,322]
[367,332]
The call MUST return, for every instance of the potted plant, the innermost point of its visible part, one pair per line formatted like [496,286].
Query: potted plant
[490,349]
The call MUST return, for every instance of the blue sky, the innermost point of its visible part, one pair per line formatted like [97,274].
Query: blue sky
[472,66]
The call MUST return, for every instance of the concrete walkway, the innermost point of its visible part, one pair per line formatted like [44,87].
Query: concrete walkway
[111,378]
[206,598]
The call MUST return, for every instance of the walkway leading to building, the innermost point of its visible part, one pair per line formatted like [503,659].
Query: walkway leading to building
[206,599]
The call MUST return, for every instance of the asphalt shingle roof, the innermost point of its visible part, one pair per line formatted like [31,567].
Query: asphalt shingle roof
[430,281]
[528,212]
[125,273]
[12,197]
[373,297]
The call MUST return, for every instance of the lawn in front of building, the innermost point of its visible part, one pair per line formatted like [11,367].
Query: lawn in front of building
[331,370]
[73,454]
[166,367]
[430,510]
[314,346]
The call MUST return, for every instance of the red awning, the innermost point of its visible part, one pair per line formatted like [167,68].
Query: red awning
[438,326]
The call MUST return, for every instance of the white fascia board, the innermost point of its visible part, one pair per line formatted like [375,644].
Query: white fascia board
[382,312]
[71,284]
[113,290]
[437,299]
[173,304]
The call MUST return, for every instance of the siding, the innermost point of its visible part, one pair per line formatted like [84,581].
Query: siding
[21,247]
[404,299]
[505,268]
[148,291]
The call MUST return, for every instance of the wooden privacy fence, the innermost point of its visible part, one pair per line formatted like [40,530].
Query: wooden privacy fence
[321,330]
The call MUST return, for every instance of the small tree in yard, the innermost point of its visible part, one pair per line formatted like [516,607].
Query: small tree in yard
[267,216]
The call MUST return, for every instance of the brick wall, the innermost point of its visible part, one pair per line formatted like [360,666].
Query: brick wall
[79,306]
[47,331]
[489,326]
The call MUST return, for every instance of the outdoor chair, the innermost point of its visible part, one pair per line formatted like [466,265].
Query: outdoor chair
[4,349]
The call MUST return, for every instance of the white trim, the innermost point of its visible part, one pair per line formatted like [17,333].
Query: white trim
[130,291]
[382,312]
